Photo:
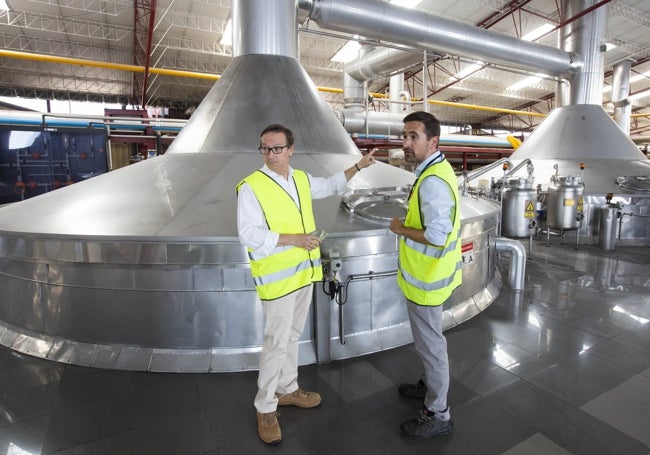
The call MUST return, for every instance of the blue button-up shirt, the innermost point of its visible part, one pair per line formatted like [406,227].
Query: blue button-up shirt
[436,202]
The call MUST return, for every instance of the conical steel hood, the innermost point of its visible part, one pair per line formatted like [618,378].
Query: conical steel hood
[256,90]
[189,191]
[579,132]
[582,133]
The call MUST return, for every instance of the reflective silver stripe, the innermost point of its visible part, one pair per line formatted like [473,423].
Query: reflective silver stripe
[276,250]
[429,250]
[286,273]
[433,286]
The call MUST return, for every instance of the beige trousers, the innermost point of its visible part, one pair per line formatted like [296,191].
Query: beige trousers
[283,325]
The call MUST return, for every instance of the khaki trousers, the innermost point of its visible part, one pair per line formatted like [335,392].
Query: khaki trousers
[283,325]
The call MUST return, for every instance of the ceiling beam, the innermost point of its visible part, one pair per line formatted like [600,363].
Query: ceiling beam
[144,16]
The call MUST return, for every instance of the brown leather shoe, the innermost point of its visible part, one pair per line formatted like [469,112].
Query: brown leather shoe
[299,398]
[268,428]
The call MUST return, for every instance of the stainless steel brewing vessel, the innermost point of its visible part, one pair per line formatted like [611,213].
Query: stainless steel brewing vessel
[518,208]
[565,203]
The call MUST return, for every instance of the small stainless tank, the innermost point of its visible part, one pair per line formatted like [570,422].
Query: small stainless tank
[565,203]
[607,227]
[518,214]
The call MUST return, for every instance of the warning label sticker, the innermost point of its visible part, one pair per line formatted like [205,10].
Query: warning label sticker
[467,253]
[529,211]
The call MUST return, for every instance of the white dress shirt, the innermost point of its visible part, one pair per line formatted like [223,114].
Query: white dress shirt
[251,224]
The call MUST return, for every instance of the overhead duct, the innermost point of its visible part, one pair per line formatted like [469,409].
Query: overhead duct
[141,268]
[354,90]
[586,37]
[418,30]
[620,93]
[354,93]
[382,61]
[407,27]
[399,98]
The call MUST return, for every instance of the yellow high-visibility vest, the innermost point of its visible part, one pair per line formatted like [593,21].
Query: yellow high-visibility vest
[287,268]
[429,274]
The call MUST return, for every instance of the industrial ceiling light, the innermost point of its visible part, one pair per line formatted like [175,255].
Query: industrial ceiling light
[348,52]
[531,80]
[3,5]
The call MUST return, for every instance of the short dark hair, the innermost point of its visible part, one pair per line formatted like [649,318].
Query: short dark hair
[431,123]
[277,128]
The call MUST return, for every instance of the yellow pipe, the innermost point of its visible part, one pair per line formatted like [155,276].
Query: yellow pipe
[114,66]
[470,106]
[486,108]
[330,89]
[181,73]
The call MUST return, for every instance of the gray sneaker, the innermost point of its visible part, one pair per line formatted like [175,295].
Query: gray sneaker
[425,426]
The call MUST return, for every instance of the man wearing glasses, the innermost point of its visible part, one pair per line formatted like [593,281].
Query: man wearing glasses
[276,223]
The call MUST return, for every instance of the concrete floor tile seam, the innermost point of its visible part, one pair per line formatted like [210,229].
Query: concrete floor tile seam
[569,426]
[114,444]
[537,444]
[623,354]
[488,426]
[631,340]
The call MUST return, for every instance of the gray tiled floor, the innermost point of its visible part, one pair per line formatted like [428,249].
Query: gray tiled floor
[562,368]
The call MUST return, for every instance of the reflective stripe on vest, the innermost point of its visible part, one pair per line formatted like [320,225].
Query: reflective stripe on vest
[429,250]
[287,268]
[428,274]
[283,274]
[431,286]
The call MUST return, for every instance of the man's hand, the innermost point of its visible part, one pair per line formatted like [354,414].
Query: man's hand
[306,241]
[396,226]
[367,159]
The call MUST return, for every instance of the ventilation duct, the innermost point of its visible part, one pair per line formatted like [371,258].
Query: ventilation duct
[417,30]
[620,93]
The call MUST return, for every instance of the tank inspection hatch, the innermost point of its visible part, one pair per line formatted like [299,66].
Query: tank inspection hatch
[635,183]
[377,205]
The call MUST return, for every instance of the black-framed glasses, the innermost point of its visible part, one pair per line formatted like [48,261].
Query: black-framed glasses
[277,149]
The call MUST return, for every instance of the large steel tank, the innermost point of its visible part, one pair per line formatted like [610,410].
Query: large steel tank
[141,268]
[183,300]
[368,268]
